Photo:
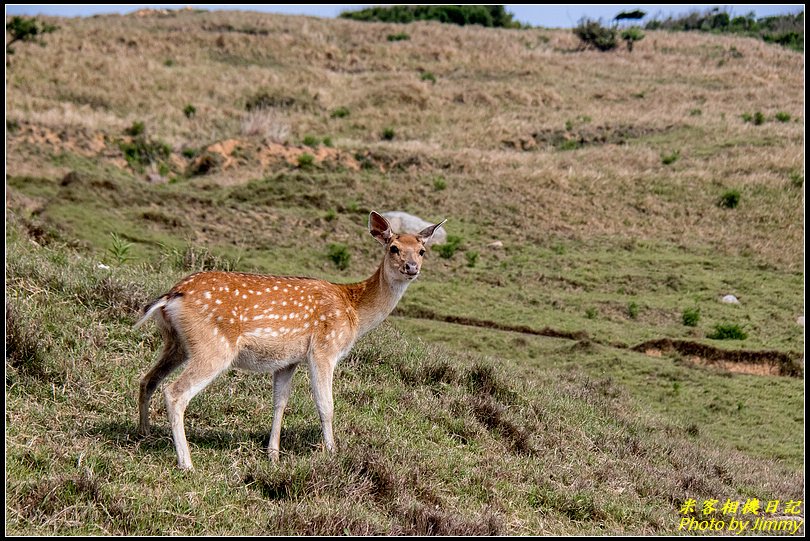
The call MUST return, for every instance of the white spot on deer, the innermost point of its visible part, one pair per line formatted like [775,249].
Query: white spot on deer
[323,317]
[275,288]
[218,301]
[207,294]
[236,292]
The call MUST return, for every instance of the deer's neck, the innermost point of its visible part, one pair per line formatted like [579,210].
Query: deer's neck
[374,299]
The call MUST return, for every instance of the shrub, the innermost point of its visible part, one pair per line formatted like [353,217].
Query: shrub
[759,118]
[489,15]
[448,249]
[730,199]
[632,35]
[691,316]
[782,116]
[695,112]
[401,36]
[632,310]
[428,76]
[330,215]
[727,331]
[747,117]
[796,179]
[310,141]
[472,258]
[340,256]
[388,134]
[327,141]
[439,184]
[668,159]
[340,112]
[593,34]
[590,313]
[189,110]
[22,29]
[141,152]
[137,128]
[306,160]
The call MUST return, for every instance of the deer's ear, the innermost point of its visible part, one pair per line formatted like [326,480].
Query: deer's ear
[379,228]
[427,233]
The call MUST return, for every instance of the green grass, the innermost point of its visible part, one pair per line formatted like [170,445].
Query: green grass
[430,441]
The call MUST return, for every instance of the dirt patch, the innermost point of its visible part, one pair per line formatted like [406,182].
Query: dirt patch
[762,363]
[741,361]
[423,313]
[276,153]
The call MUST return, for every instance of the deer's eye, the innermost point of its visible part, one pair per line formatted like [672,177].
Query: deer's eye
[394,250]
[421,253]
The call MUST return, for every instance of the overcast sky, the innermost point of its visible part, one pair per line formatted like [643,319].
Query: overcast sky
[550,16]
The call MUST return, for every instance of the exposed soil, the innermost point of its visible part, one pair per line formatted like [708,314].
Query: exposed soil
[762,363]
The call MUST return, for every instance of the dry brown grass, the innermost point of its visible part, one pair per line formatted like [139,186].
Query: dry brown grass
[98,75]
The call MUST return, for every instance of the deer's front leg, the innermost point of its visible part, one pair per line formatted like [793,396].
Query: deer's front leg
[321,369]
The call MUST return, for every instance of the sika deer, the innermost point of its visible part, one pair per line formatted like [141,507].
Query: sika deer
[218,320]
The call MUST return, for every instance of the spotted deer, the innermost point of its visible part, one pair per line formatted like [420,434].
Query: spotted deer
[213,321]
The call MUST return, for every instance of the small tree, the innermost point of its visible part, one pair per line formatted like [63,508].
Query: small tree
[22,29]
[632,35]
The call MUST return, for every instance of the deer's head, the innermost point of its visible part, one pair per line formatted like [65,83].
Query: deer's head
[404,252]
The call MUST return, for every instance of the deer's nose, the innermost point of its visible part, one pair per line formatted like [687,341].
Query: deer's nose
[411,267]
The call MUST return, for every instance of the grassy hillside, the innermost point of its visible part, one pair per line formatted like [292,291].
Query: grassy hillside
[546,385]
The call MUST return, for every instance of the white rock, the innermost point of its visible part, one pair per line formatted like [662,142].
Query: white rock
[402,222]
[497,245]
[730,299]
[103,266]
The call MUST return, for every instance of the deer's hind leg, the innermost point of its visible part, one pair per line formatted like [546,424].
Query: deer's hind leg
[173,355]
[204,365]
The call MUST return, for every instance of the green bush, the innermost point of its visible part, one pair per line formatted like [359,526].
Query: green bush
[137,128]
[428,76]
[327,141]
[632,310]
[340,112]
[489,15]
[340,256]
[26,30]
[439,184]
[472,258]
[727,331]
[691,316]
[141,152]
[590,313]
[400,36]
[189,110]
[388,134]
[306,160]
[668,159]
[632,35]
[730,199]
[796,178]
[759,118]
[593,34]
[782,116]
[448,249]
[310,141]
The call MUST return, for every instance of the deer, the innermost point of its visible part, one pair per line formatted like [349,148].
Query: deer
[212,321]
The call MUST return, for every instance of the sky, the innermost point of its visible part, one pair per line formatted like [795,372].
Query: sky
[549,16]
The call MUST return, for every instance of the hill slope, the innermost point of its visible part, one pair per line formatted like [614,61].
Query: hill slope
[599,173]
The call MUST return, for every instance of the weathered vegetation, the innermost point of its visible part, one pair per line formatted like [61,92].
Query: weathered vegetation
[554,374]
